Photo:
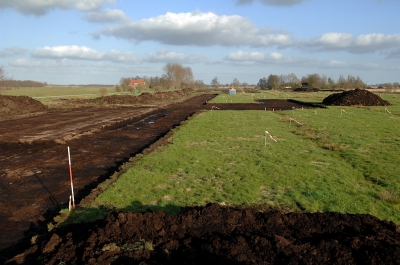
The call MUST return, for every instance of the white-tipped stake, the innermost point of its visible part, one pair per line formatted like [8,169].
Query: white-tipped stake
[69,203]
[270,136]
[386,110]
[70,177]
[341,112]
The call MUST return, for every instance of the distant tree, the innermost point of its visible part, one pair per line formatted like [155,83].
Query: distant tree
[263,83]
[324,82]
[199,84]
[396,84]
[313,80]
[124,81]
[359,83]
[341,83]
[331,83]
[245,85]
[235,82]
[282,81]
[3,76]
[293,81]
[215,82]
[178,75]
[273,81]
[5,81]
[389,88]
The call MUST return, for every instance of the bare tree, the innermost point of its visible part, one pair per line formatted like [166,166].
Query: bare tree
[263,83]
[178,76]
[4,79]
[272,81]
[235,82]
[292,80]
[215,82]
[2,74]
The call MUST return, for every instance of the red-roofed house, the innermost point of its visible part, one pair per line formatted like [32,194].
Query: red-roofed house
[137,82]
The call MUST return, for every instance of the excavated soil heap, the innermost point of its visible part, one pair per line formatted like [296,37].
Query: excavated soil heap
[142,98]
[305,89]
[19,105]
[220,235]
[355,97]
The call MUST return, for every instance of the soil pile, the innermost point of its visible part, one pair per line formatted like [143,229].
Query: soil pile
[143,98]
[220,235]
[355,97]
[19,105]
[305,89]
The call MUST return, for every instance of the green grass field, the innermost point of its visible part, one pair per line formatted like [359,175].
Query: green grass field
[336,161]
[46,94]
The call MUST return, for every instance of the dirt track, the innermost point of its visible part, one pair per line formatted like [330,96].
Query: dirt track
[35,181]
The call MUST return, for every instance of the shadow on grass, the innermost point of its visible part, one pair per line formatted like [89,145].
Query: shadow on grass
[91,214]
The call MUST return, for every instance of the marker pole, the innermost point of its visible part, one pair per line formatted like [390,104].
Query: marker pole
[70,177]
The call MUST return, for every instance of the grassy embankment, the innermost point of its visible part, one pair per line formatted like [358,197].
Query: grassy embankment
[336,161]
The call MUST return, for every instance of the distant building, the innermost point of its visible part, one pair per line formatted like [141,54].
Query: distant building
[137,82]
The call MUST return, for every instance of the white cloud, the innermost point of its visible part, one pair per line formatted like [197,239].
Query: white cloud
[197,28]
[168,56]
[83,53]
[41,7]
[25,63]
[271,2]
[106,15]
[250,58]
[12,51]
[366,43]
[87,5]
[245,56]
[74,52]
[278,59]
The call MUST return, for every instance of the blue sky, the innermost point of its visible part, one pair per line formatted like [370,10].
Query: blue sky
[100,41]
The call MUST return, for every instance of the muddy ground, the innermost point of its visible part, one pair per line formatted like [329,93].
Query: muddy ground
[220,235]
[34,183]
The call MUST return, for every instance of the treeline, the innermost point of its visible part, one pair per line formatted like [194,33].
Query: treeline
[291,81]
[10,83]
[176,76]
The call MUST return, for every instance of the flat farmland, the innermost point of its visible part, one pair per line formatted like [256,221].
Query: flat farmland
[101,143]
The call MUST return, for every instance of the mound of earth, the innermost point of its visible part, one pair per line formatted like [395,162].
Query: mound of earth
[355,97]
[143,98]
[19,105]
[215,234]
[305,89]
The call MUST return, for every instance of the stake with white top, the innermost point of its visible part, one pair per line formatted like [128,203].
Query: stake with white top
[70,177]
[265,139]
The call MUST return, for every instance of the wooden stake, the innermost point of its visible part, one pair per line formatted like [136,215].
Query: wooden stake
[70,177]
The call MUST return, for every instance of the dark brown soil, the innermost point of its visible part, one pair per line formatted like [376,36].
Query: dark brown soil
[143,98]
[306,89]
[357,97]
[34,185]
[220,235]
[13,105]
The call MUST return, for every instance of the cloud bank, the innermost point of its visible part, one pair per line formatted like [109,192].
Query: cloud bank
[41,7]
